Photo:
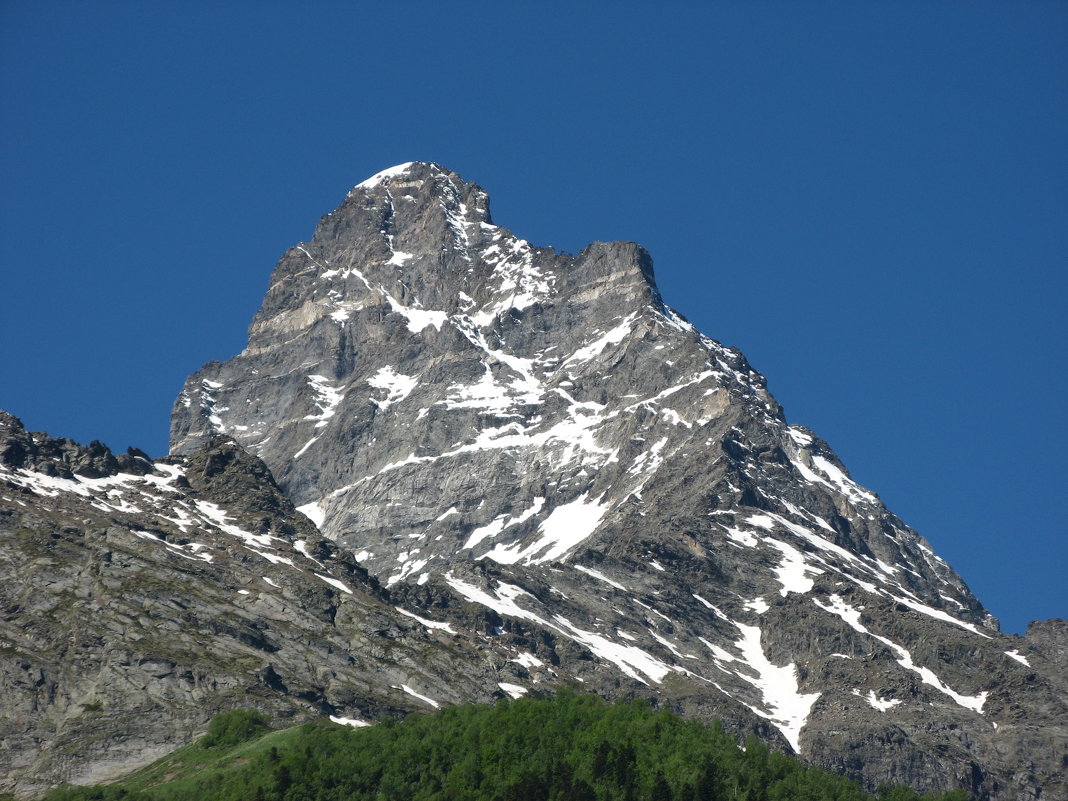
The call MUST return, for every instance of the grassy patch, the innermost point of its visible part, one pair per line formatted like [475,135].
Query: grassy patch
[195,762]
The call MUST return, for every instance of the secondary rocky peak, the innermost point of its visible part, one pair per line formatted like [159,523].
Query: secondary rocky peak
[62,457]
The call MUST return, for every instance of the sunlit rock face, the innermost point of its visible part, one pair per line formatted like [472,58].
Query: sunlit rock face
[533,446]
[139,598]
[550,476]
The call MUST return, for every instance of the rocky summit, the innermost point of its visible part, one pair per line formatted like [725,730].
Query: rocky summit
[450,465]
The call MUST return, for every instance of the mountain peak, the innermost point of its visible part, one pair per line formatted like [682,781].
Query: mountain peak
[487,424]
[451,465]
[409,171]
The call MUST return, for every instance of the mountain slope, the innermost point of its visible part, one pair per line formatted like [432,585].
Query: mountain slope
[549,477]
[140,598]
[479,420]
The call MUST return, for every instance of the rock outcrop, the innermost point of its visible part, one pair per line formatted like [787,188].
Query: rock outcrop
[134,605]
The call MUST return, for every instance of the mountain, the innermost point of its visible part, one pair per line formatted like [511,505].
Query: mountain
[523,469]
[138,598]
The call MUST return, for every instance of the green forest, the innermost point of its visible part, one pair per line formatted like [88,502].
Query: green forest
[568,748]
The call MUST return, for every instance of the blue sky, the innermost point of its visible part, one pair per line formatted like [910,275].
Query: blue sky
[870,199]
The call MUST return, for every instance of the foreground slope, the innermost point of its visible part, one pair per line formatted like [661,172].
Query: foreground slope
[487,424]
[570,748]
[140,598]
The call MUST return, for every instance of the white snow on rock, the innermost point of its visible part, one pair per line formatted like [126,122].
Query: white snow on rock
[418,319]
[793,571]
[501,522]
[784,704]
[379,177]
[397,386]
[564,528]
[758,605]
[493,394]
[843,482]
[761,521]
[612,337]
[399,258]
[599,576]
[711,606]
[314,512]
[356,723]
[333,582]
[219,517]
[837,606]
[527,660]
[513,690]
[937,614]
[881,704]
[1014,654]
[421,697]
[181,550]
[430,624]
[410,567]
[630,659]
[327,398]
[743,538]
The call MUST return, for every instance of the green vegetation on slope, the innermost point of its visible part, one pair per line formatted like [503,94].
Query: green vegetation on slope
[570,748]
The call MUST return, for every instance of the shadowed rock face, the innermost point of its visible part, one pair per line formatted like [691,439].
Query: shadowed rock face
[562,480]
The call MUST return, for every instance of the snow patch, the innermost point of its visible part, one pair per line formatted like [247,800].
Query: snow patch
[837,606]
[386,174]
[564,528]
[881,704]
[612,337]
[600,576]
[333,582]
[349,721]
[314,512]
[787,707]
[1014,654]
[793,571]
[397,386]
[501,522]
[421,697]
[430,624]
[628,658]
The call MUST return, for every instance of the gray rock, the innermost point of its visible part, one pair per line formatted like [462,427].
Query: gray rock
[516,468]
[134,606]
[533,446]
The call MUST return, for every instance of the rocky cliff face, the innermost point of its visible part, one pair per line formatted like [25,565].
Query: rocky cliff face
[562,480]
[138,599]
[539,434]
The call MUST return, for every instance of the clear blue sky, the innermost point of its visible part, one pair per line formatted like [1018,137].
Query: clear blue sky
[870,199]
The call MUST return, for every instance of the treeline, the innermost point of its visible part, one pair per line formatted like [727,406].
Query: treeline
[569,748]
